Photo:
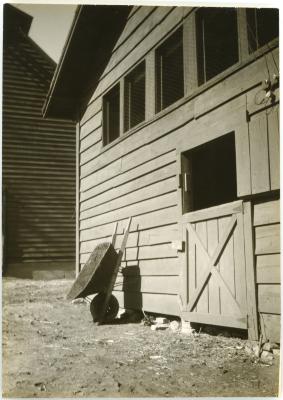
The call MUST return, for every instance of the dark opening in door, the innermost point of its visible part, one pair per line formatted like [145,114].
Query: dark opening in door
[209,174]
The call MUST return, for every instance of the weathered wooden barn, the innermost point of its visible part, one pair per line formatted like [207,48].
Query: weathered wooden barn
[177,126]
[38,161]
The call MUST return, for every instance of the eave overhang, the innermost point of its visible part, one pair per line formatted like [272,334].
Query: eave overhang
[88,48]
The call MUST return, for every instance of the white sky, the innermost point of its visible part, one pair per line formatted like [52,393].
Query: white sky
[50,25]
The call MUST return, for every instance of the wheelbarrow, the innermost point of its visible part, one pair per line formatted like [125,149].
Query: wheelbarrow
[99,276]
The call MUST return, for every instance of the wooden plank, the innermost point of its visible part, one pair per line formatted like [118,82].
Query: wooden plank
[270,326]
[164,234]
[259,154]
[274,147]
[91,152]
[150,86]
[137,17]
[148,284]
[130,186]
[92,124]
[190,54]
[250,273]
[201,264]
[242,34]
[226,268]
[144,221]
[157,267]
[240,263]
[77,262]
[268,268]
[157,203]
[267,239]
[126,177]
[213,286]
[145,193]
[211,319]
[92,109]
[267,212]
[243,165]
[157,303]
[91,139]
[269,299]
[214,212]
[143,253]
[122,107]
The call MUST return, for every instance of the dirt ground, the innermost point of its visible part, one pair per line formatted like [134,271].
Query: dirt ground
[51,348]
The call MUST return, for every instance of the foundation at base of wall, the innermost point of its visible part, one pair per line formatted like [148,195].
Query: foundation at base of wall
[41,270]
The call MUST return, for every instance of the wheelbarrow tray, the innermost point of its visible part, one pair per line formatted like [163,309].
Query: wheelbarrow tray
[96,273]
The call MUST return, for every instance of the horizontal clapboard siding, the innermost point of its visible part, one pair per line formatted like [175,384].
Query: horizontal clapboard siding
[38,162]
[136,176]
[267,250]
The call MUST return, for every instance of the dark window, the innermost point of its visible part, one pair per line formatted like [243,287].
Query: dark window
[135,97]
[209,174]
[111,115]
[263,26]
[170,71]
[217,41]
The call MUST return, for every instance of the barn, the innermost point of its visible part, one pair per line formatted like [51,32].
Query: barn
[177,127]
[38,162]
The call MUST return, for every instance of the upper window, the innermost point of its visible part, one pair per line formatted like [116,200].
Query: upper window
[263,26]
[134,97]
[111,115]
[217,41]
[169,71]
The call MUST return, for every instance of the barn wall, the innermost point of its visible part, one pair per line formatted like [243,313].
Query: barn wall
[136,175]
[38,166]
[267,253]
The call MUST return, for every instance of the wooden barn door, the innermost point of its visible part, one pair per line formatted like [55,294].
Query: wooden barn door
[214,267]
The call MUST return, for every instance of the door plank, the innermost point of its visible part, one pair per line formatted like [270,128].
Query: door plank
[201,262]
[212,241]
[213,261]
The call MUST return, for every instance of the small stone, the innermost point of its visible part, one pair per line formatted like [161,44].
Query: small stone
[80,300]
[158,327]
[161,320]
[276,352]
[174,326]
[274,345]
[256,350]
[265,355]
[266,347]
[186,328]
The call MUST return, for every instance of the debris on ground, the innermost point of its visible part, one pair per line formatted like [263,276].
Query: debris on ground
[55,350]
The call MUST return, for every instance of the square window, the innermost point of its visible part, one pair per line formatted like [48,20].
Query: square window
[111,115]
[217,41]
[135,97]
[170,71]
[263,26]
[209,173]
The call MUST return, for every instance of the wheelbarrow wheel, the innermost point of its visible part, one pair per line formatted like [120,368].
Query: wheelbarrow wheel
[97,304]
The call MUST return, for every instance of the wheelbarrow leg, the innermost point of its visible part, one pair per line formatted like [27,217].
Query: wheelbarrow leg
[116,269]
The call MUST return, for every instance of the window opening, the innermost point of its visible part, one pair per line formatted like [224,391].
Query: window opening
[135,97]
[170,71]
[217,41]
[111,115]
[209,174]
[263,26]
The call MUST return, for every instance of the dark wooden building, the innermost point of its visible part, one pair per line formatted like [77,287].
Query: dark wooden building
[177,127]
[38,161]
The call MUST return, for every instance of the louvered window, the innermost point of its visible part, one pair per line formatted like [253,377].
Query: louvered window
[263,26]
[111,115]
[170,71]
[135,97]
[217,41]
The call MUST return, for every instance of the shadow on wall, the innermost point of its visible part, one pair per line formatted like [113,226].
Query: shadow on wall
[132,287]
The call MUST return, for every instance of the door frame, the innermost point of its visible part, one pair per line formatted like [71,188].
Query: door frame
[252,316]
